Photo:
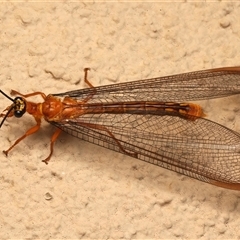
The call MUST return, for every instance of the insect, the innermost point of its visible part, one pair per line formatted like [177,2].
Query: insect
[152,120]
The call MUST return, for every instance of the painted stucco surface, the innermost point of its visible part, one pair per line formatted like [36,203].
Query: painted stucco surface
[87,191]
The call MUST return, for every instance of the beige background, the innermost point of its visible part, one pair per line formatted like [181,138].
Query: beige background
[87,191]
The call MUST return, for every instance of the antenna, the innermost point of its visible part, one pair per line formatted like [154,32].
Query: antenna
[3,93]
[11,108]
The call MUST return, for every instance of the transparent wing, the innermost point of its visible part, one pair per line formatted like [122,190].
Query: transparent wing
[201,149]
[191,86]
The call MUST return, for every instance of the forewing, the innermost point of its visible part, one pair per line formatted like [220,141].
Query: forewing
[200,149]
[182,87]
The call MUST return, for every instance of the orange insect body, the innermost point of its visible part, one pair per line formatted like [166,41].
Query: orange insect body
[53,109]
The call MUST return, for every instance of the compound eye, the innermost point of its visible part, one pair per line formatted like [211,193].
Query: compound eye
[18,113]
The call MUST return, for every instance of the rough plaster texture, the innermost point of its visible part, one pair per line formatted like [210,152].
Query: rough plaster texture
[87,191]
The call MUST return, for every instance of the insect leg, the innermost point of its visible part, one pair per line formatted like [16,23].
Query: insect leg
[103,128]
[29,132]
[53,139]
[7,109]
[13,92]
[86,78]
[89,84]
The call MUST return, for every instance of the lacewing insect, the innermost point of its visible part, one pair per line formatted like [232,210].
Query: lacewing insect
[152,120]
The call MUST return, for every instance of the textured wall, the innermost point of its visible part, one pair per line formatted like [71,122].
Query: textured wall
[87,191]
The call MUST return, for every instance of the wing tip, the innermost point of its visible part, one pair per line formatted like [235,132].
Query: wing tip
[232,186]
[235,69]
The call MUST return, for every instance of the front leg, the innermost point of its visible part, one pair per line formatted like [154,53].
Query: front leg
[13,92]
[29,132]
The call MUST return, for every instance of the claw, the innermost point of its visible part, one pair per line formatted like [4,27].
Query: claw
[6,153]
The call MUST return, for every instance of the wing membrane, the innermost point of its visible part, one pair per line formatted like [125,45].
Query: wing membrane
[201,149]
[191,86]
